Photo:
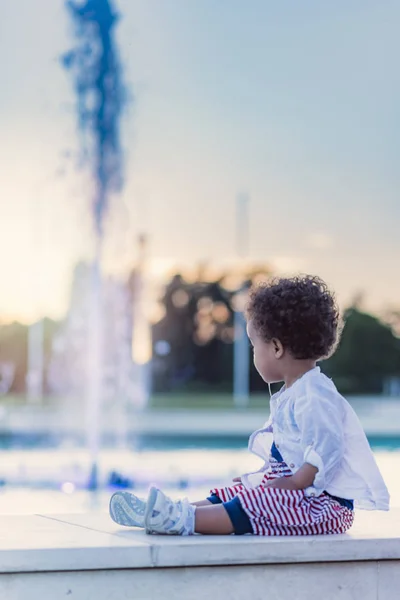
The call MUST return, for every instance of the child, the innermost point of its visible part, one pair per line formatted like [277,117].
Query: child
[317,460]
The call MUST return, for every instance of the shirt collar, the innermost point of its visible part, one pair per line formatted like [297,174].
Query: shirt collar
[282,392]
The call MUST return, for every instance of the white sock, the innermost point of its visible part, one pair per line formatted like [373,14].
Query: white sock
[189,526]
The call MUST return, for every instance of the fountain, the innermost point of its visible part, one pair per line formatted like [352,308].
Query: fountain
[97,75]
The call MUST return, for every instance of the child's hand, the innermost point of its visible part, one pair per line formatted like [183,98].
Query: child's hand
[237,479]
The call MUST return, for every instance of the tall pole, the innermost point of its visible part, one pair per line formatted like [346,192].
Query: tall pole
[241,345]
[35,371]
[141,335]
[242,225]
[34,379]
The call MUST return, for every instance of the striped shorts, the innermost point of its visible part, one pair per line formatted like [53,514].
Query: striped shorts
[274,511]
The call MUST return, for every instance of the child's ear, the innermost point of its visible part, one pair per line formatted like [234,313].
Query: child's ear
[278,348]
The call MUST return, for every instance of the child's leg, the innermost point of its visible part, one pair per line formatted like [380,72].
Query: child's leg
[225,518]
[213,520]
[182,518]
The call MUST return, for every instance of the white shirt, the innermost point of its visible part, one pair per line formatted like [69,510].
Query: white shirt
[312,423]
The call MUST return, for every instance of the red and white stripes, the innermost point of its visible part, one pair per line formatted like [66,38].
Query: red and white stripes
[274,511]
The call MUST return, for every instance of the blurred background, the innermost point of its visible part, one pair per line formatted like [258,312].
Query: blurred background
[157,158]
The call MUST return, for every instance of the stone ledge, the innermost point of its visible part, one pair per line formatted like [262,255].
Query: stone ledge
[45,543]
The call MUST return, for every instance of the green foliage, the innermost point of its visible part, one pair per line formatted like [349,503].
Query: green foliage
[197,328]
[368,353]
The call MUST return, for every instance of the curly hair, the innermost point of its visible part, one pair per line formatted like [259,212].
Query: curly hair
[301,312]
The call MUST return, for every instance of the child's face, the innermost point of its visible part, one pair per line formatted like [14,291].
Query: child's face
[266,356]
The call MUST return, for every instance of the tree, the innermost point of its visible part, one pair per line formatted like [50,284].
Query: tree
[368,353]
[196,333]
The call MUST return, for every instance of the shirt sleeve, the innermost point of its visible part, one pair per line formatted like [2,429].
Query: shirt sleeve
[320,421]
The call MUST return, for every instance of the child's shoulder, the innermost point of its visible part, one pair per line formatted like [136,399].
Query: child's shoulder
[313,382]
[317,390]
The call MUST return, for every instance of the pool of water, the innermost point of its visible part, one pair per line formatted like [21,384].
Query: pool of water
[36,481]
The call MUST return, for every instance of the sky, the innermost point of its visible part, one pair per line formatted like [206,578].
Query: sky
[295,104]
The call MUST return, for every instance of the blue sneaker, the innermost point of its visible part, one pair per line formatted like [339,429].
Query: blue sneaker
[127,509]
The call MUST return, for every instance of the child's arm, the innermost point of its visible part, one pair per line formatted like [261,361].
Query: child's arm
[302,479]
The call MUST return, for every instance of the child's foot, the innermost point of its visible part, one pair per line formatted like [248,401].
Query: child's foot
[127,509]
[163,515]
